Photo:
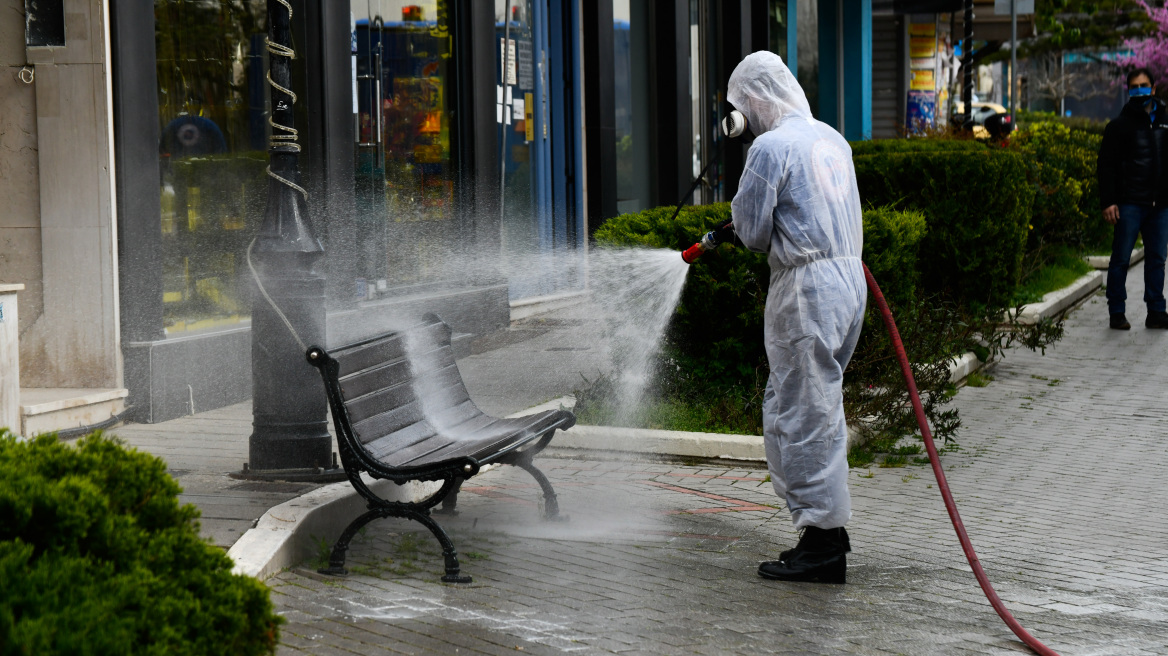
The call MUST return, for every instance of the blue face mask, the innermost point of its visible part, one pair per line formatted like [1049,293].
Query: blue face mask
[1139,92]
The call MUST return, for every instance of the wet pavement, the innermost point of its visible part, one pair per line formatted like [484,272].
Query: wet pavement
[1059,477]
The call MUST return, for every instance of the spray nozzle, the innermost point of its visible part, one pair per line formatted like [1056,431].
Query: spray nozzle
[709,242]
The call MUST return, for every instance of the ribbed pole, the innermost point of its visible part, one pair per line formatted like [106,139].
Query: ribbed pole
[288,310]
[967,67]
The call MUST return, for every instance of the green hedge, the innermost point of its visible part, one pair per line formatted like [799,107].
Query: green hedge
[1077,123]
[97,556]
[977,203]
[880,146]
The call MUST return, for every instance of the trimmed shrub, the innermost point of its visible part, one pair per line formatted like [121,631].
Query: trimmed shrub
[977,204]
[1026,118]
[97,556]
[1062,162]
[932,145]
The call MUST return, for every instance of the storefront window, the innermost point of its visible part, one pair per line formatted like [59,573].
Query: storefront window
[777,27]
[405,97]
[515,93]
[631,92]
[211,99]
[808,48]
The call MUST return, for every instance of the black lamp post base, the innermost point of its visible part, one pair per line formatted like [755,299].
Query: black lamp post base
[301,475]
[301,445]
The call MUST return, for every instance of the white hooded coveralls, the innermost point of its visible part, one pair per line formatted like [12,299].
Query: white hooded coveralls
[798,202]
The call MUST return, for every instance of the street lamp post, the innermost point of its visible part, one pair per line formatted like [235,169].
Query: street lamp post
[290,430]
[967,68]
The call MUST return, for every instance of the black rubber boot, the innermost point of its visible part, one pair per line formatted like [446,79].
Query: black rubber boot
[1119,322]
[1156,320]
[820,557]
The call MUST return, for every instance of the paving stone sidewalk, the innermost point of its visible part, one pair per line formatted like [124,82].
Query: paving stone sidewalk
[1059,476]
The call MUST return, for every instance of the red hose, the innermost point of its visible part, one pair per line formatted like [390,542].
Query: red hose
[950,506]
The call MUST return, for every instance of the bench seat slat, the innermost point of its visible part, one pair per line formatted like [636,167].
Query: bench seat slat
[384,423]
[380,402]
[382,447]
[484,440]
[421,339]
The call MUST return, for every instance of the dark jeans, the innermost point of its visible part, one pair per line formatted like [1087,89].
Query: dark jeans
[1152,223]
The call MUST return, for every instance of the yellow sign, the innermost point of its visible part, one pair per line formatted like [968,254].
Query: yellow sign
[922,46]
[922,29]
[922,80]
[528,117]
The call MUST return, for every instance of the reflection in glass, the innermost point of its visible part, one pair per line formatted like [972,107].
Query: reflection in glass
[631,93]
[211,100]
[405,113]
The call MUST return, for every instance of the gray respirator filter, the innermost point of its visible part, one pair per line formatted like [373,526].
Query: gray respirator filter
[734,125]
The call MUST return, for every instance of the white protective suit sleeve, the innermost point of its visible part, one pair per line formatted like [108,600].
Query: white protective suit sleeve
[797,202]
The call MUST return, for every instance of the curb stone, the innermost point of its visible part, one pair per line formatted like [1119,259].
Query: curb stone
[1102,261]
[1061,299]
[287,535]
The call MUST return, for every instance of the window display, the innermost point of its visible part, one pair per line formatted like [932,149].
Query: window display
[212,157]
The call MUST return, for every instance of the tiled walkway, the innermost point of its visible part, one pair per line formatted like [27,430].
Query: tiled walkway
[1061,479]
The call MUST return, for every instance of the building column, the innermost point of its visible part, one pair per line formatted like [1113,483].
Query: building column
[74,343]
[830,69]
[856,29]
[845,66]
[599,113]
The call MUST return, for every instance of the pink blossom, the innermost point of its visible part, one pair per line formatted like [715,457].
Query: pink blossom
[1150,52]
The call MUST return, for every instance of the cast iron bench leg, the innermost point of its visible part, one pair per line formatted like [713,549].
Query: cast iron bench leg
[551,506]
[448,552]
[450,502]
[337,558]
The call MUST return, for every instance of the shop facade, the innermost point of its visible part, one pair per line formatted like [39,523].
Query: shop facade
[443,142]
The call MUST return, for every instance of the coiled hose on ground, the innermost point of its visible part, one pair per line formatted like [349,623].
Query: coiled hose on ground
[935,460]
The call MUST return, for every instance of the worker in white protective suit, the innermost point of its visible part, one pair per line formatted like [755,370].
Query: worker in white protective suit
[797,202]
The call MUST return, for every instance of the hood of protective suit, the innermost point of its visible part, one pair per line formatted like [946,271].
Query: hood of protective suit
[765,91]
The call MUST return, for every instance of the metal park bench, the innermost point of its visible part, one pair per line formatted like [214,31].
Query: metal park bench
[402,413]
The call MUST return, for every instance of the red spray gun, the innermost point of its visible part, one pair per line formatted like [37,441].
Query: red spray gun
[709,242]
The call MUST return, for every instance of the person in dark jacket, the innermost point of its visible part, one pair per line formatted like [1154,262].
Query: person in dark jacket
[1133,191]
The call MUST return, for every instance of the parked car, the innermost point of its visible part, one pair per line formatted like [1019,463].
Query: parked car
[990,120]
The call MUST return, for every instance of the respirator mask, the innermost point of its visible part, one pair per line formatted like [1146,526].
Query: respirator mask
[1139,92]
[734,126]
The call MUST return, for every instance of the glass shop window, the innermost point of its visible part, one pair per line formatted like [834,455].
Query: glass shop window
[212,97]
[777,27]
[405,96]
[631,93]
[514,114]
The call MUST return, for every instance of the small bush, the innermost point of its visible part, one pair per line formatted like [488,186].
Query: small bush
[97,556]
[1066,212]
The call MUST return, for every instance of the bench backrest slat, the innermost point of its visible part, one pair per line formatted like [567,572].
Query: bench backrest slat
[434,393]
[389,348]
[373,379]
